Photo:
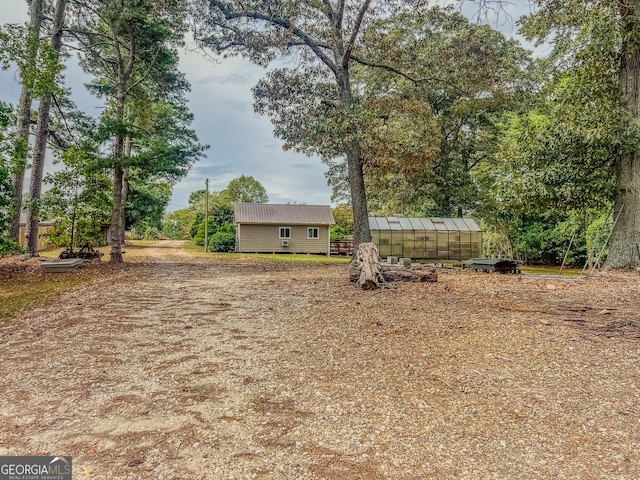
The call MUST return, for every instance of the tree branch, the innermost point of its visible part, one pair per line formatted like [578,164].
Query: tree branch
[145,74]
[329,10]
[340,15]
[354,33]
[284,24]
[415,81]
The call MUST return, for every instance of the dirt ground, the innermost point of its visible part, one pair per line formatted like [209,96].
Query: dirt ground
[185,368]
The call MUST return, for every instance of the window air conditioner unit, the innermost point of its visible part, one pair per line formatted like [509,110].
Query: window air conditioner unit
[285,243]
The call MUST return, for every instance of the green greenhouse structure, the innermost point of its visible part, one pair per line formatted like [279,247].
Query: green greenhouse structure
[428,238]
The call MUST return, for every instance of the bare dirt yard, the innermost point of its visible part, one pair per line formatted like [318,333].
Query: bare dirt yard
[184,367]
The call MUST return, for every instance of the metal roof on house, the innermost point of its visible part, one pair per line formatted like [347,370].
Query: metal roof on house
[283,214]
[424,223]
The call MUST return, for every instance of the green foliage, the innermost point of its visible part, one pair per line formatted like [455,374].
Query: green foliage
[437,122]
[221,213]
[195,226]
[212,227]
[9,247]
[560,154]
[224,240]
[338,232]
[6,119]
[78,199]
[226,230]
[545,238]
[177,225]
[37,61]
[241,189]
[246,189]
[151,233]
[146,201]
[343,216]
[596,234]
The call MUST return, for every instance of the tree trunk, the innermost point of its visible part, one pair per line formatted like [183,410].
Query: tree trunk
[42,134]
[124,67]
[125,187]
[37,170]
[419,273]
[23,122]
[125,196]
[353,152]
[624,249]
[361,232]
[116,215]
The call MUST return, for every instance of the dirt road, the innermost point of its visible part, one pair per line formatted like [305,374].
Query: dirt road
[181,368]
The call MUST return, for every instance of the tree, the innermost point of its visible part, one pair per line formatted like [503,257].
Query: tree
[220,213]
[26,56]
[451,82]
[129,46]
[146,203]
[177,225]
[326,35]
[246,189]
[602,38]
[42,130]
[79,199]
[7,120]
[343,217]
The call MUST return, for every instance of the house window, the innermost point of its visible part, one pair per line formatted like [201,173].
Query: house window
[313,232]
[285,232]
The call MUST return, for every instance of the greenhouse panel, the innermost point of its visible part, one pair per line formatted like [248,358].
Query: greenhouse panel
[427,238]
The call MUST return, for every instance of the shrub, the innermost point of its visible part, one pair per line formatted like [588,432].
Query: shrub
[9,247]
[222,241]
[151,233]
[339,233]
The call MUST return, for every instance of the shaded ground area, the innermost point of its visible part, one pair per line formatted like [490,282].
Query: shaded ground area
[193,368]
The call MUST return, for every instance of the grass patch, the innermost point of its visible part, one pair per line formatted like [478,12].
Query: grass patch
[27,290]
[543,270]
[198,251]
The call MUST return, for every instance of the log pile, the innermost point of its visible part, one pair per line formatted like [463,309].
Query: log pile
[367,271]
[417,273]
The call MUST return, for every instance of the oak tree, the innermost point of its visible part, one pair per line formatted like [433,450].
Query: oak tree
[324,37]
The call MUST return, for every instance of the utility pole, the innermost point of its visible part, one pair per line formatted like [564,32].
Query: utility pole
[206,215]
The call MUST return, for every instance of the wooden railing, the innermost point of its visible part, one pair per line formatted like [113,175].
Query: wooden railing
[341,247]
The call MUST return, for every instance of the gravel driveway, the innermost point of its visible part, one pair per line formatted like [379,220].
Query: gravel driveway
[181,368]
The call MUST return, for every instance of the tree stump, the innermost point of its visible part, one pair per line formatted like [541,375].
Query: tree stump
[365,269]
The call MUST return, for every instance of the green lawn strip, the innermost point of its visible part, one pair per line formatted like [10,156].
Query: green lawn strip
[29,290]
[199,252]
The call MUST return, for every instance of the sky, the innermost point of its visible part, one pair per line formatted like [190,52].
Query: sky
[241,142]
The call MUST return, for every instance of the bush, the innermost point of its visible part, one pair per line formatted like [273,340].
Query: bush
[222,241]
[9,247]
[339,233]
[151,233]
